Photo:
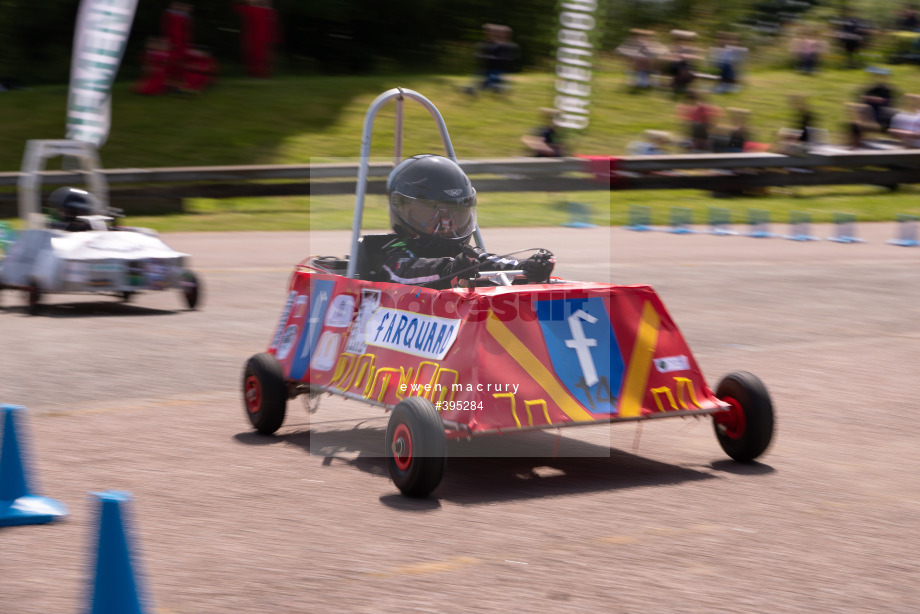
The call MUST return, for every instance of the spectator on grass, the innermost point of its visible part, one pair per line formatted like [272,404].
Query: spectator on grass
[496,56]
[807,49]
[852,34]
[905,125]
[907,19]
[508,55]
[734,136]
[880,97]
[155,60]
[858,126]
[727,57]
[788,143]
[642,54]
[176,25]
[804,120]
[699,119]
[546,141]
[682,59]
[653,143]
[260,33]
[200,70]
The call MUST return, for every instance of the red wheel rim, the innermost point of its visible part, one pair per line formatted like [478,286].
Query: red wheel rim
[731,421]
[402,447]
[253,394]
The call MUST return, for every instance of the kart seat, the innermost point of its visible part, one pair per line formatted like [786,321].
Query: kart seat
[370,256]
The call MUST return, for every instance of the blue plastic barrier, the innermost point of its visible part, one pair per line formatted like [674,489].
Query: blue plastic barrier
[759,220]
[720,220]
[799,227]
[640,218]
[907,231]
[680,219]
[845,228]
[579,216]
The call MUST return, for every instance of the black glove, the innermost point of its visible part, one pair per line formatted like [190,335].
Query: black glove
[461,266]
[491,262]
[538,267]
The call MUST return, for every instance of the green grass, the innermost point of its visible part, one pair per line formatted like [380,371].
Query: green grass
[319,119]
[869,204]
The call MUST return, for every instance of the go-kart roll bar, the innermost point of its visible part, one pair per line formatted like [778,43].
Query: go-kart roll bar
[400,94]
[33,163]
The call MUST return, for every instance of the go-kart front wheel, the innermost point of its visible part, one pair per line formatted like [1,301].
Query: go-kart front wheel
[415,447]
[264,393]
[745,431]
[191,289]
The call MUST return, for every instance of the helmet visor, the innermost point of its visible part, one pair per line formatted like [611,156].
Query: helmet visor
[441,219]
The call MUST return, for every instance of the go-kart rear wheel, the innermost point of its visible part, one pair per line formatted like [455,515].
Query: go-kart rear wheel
[415,447]
[34,294]
[745,431]
[191,289]
[264,393]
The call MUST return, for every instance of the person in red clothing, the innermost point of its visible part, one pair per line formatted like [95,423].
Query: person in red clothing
[200,70]
[155,60]
[260,34]
[700,118]
[176,25]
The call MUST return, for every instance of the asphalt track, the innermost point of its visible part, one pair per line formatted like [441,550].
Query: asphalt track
[144,397]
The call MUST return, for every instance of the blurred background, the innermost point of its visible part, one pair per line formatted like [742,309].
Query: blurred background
[282,82]
[364,36]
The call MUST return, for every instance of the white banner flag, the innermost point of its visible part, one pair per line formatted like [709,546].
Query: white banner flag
[98,45]
[574,51]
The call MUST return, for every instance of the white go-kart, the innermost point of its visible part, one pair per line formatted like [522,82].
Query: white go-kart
[77,246]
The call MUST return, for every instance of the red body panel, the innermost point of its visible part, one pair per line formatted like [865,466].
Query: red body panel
[494,358]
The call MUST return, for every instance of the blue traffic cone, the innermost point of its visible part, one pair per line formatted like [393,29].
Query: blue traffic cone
[115,590]
[17,506]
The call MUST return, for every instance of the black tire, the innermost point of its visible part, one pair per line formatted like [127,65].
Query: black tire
[744,432]
[34,294]
[416,447]
[126,296]
[264,393]
[191,289]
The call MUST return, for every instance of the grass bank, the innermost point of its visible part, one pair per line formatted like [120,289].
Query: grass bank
[303,119]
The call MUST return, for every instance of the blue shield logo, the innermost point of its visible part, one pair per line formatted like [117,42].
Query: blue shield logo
[583,350]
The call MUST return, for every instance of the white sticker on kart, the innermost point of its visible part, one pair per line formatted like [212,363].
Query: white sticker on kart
[412,333]
[300,307]
[340,311]
[288,341]
[76,272]
[284,318]
[370,300]
[326,352]
[672,363]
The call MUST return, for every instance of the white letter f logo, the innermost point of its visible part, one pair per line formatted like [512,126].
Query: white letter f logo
[580,344]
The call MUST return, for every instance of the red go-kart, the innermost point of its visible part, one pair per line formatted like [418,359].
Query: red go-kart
[495,357]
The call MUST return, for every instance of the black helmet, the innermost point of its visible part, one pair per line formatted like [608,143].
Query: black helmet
[432,201]
[71,203]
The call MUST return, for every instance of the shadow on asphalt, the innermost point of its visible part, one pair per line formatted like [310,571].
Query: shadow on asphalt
[493,469]
[729,466]
[114,307]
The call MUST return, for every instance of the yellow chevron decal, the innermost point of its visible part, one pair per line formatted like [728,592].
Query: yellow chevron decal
[640,362]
